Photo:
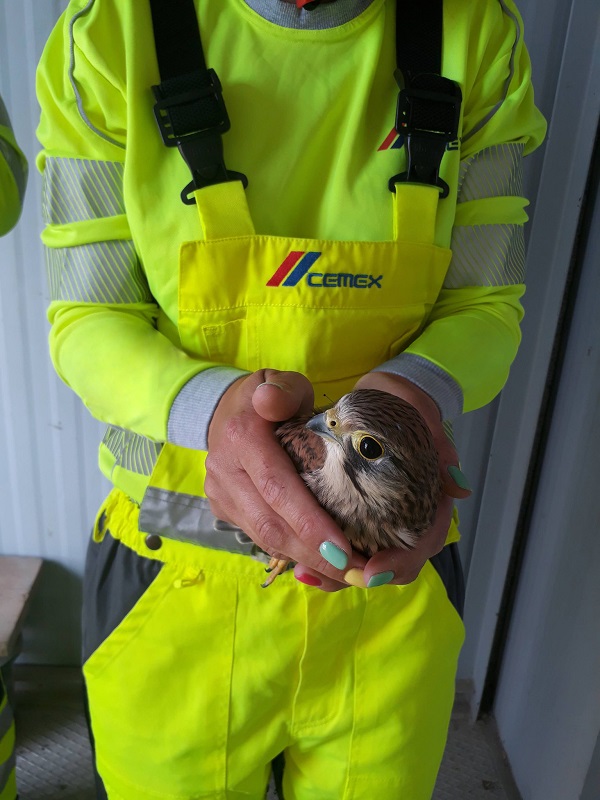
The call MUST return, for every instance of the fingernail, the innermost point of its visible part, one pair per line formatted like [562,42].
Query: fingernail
[356,577]
[309,580]
[459,477]
[334,555]
[272,383]
[379,579]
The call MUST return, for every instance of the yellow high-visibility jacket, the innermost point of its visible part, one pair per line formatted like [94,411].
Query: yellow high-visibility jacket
[312,125]
[13,175]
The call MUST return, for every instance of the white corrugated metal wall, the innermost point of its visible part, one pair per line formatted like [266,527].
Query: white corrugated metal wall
[49,484]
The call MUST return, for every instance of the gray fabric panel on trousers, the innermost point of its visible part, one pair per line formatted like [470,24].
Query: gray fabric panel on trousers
[449,567]
[115,579]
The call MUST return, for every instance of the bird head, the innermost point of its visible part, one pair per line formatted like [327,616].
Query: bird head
[380,462]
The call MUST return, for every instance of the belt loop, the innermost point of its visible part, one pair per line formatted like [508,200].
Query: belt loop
[223,210]
[415,211]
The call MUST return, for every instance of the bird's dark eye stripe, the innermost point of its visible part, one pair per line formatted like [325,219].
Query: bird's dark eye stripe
[370,448]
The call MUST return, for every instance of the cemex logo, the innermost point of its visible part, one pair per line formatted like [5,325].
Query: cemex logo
[295,267]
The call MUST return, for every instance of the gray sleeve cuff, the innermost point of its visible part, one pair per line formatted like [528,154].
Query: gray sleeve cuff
[443,389]
[194,406]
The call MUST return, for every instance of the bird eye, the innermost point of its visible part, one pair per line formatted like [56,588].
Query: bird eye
[332,423]
[370,448]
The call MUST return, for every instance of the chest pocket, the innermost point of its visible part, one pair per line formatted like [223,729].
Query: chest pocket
[331,310]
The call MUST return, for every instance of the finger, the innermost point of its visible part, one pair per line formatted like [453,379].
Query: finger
[454,482]
[283,395]
[401,566]
[273,533]
[310,577]
[286,494]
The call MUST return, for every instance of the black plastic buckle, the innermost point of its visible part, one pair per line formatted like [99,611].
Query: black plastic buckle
[195,184]
[429,119]
[432,112]
[199,143]
[171,135]
[424,155]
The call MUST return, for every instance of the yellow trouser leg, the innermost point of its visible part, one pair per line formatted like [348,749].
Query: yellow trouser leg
[209,676]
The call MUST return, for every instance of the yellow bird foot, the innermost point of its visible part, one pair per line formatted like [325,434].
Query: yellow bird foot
[275,568]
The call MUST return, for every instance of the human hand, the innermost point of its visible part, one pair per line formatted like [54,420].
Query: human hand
[397,565]
[252,483]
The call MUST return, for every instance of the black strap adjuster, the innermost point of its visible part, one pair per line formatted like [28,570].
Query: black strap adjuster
[191,115]
[428,115]
[190,107]
[427,110]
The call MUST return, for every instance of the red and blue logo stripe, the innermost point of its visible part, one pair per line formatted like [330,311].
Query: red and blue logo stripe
[393,141]
[294,267]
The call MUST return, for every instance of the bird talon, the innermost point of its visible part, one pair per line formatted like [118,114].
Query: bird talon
[275,567]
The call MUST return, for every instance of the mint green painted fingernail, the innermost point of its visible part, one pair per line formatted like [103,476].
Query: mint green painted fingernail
[332,553]
[459,477]
[379,579]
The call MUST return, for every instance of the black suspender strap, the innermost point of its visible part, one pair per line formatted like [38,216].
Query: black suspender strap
[189,108]
[191,112]
[428,109]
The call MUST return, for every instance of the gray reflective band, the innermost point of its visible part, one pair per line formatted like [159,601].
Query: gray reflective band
[104,272]
[489,255]
[188,518]
[486,255]
[131,451]
[78,189]
[496,171]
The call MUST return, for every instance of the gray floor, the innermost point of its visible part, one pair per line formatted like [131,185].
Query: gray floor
[54,762]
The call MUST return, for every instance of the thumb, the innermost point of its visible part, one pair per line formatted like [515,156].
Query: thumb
[283,395]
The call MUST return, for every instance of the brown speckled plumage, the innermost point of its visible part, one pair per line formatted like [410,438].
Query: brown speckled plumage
[380,499]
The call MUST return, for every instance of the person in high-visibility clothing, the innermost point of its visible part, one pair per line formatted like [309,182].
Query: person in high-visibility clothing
[13,179]
[192,329]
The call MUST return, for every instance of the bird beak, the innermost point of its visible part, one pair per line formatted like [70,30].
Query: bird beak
[318,425]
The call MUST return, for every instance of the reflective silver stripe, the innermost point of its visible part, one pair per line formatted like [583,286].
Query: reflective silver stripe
[496,171]
[131,451]
[511,71]
[78,99]
[188,518]
[104,272]
[486,255]
[77,189]
[489,255]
